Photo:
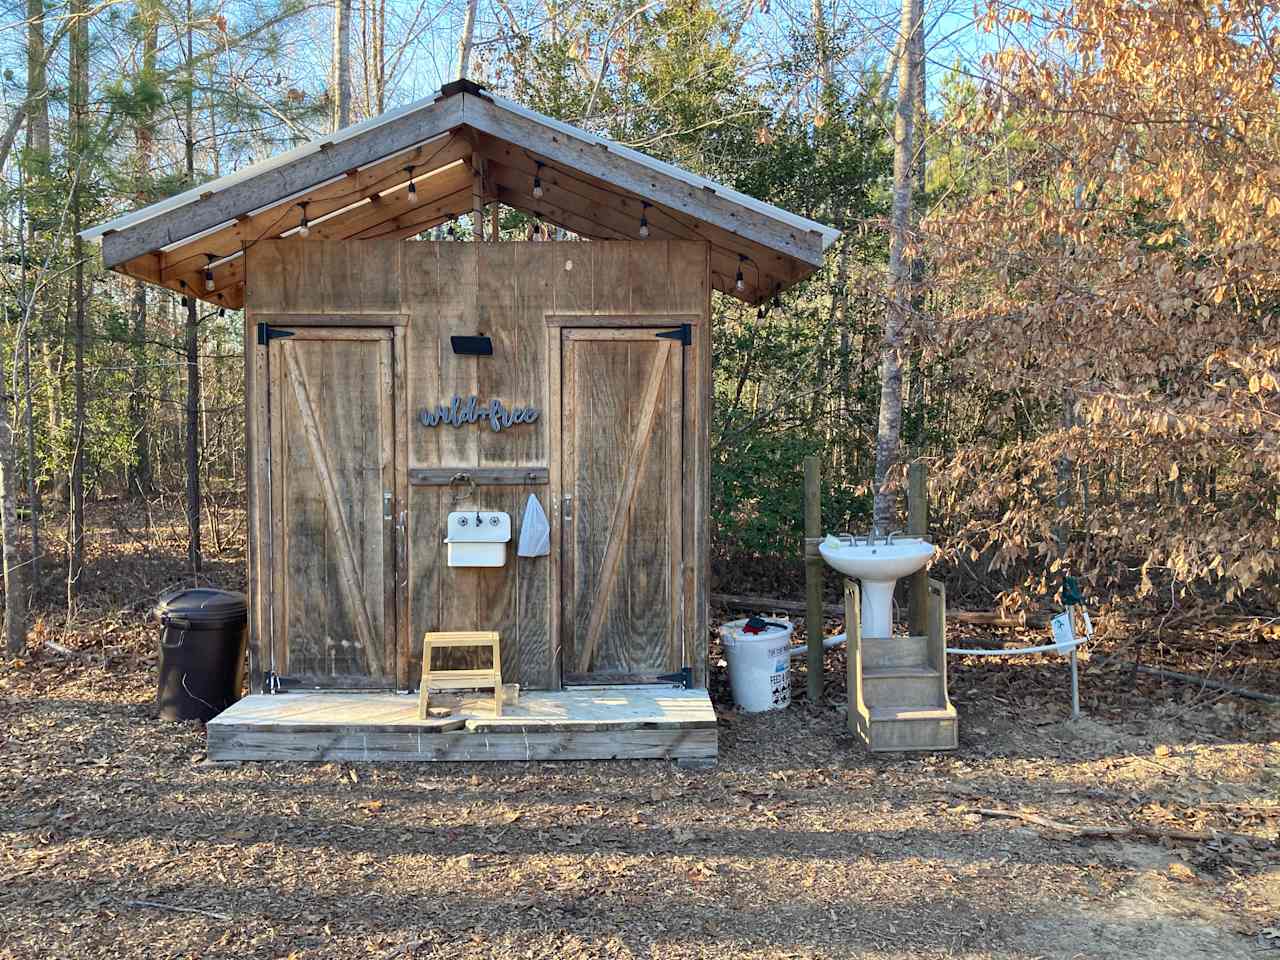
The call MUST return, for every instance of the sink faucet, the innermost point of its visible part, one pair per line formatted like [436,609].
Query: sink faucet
[893,534]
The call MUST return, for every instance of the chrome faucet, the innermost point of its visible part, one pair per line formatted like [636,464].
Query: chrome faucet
[895,533]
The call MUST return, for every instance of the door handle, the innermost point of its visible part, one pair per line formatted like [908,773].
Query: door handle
[386,505]
[566,509]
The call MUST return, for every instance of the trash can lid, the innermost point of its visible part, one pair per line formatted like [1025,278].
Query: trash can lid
[203,606]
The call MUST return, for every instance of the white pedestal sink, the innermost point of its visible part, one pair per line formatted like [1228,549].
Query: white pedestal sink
[878,562]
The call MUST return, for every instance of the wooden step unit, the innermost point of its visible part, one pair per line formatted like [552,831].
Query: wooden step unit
[898,685]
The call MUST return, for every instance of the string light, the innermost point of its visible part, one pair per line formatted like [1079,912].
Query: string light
[537,183]
[644,221]
[185,301]
[222,310]
[304,228]
[738,283]
[413,187]
[208,273]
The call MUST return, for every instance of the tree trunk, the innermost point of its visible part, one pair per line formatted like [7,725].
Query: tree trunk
[78,90]
[140,482]
[15,590]
[379,53]
[373,37]
[193,437]
[37,168]
[341,64]
[33,484]
[192,433]
[889,430]
[468,38]
[37,87]
[144,139]
[916,388]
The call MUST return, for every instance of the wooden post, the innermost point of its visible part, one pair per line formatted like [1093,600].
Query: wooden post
[477,196]
[918,526]
[853,644]
[495,226]
[813,623]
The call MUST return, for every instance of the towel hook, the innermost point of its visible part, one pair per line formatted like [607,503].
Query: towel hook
[458,478]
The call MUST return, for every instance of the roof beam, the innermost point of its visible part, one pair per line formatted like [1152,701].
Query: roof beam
[369,181]
[407,223]
[597,160]
[598,219]
[585,224]
[773,268]
[328,161]
[430,191]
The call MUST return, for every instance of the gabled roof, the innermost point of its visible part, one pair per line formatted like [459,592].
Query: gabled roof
[458,148]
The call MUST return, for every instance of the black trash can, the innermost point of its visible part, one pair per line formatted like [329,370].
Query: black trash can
[202,647]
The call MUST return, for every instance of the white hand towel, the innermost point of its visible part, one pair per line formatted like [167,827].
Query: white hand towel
[535,531]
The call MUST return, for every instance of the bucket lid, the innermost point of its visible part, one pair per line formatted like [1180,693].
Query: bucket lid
[732,631]
[203,606]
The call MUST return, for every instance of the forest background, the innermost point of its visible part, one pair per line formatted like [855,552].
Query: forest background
[1057,283]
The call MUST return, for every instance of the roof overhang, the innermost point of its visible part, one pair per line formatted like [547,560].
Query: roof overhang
[458,148]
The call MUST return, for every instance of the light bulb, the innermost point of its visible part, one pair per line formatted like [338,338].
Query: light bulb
[222,311]
[413,192]
[644,228]
[537,188]
[208,279]
[739,284]
[304,229]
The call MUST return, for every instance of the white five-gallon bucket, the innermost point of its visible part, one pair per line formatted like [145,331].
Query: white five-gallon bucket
[759,664]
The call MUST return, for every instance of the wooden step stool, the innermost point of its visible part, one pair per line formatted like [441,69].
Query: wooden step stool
[460,679]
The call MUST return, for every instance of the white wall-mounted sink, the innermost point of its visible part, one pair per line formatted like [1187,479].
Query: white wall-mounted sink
[878,562]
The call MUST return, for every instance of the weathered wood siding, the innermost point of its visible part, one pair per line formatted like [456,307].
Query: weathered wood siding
[521,295]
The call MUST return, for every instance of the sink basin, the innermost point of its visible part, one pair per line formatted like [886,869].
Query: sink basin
[876,561]
[878,564]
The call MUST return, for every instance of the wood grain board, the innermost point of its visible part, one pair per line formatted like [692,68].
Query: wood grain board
[334,551]
[584,723]
[464,151]
[527,298]
[622,409]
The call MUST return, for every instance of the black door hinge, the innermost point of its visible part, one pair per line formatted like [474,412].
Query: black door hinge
[272,682]
[684,677]
[683,333]
[267,333]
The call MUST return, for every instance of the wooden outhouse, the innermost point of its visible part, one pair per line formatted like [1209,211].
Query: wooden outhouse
[392,382]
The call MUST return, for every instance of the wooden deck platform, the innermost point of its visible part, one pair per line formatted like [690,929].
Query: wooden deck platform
[579,723]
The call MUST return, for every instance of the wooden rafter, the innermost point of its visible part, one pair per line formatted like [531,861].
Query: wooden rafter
[357,179]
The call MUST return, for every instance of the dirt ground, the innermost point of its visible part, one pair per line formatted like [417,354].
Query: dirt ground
[117,838]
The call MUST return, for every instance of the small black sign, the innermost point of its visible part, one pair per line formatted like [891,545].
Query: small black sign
[472,346]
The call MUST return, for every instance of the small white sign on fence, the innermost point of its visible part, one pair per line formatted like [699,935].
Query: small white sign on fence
[1064,634]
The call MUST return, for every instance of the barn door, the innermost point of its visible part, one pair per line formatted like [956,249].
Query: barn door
[332,499]
[622,401]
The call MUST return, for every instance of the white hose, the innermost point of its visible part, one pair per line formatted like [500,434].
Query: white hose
[1043,648]
[839,639]
[827,644]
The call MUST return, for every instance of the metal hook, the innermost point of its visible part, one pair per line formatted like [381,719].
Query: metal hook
[462,477]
